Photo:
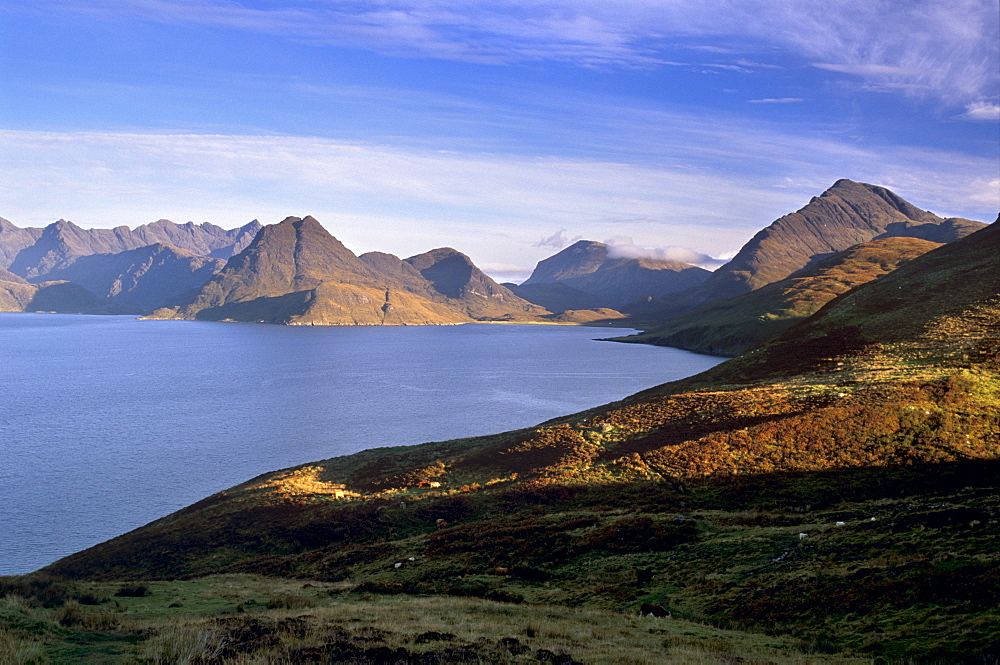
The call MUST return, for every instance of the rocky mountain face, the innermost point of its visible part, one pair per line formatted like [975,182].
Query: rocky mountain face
[605,280]
[846,214]
[203,239]
[13,240]
[7,276]
[731,326]
[142,279]
[296,272]
[61,243]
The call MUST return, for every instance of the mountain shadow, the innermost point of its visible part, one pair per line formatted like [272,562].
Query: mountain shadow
[142,279]
[61,243]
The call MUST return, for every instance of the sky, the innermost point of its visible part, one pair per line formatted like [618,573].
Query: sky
[504,129]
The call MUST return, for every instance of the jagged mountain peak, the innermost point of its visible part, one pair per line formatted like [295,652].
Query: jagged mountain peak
[63,224]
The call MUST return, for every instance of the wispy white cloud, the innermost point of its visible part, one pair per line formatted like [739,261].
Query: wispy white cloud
[942,48]
[777,100]
[982,111]
[625,247]
[557,240]
[866,69]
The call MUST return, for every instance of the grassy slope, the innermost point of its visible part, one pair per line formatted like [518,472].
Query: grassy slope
[885,405]
[734,325]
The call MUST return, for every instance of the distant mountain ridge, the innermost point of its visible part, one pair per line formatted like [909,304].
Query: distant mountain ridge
[604,279]
[119,271]
[144,279]
[296,272]
[59,244]
[292,272]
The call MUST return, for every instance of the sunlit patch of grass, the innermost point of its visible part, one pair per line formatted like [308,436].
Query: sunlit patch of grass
[304,483]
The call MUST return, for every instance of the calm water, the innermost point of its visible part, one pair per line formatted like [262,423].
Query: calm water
[107,423]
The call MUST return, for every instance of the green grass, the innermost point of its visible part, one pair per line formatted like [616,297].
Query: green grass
[918,583]
[233,618]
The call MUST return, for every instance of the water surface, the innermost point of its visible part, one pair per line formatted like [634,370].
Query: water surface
[107,423]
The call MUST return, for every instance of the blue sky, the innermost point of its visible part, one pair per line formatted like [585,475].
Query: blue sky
[503,129]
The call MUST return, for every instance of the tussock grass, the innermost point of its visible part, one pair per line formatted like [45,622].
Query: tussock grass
[20,648]
[228,619]
[479,630]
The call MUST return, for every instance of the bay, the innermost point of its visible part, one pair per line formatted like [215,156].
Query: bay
[107,423]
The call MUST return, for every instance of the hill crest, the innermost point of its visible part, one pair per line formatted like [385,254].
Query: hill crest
[846,214]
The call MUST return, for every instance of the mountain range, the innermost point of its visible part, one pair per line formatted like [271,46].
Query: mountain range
[297,273]
[61,243]
[837,480]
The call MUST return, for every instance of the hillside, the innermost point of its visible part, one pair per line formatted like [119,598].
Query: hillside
[847,214]
[837,486]
[731,326]
[589,274]
[56,296]
[555,297]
